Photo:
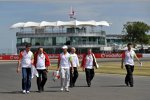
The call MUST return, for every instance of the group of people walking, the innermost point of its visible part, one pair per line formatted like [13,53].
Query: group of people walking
[68,64]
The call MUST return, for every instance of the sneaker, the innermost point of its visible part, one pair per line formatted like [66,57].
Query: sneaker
[131,85]
[89,84]
[67,90]
[39,91]
[127,84]
[28,92]
[24,91]
[73,85]
[42,89]
[62,89]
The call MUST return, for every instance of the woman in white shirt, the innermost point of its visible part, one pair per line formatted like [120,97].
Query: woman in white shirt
[88,65]
[128,58]
[75,62]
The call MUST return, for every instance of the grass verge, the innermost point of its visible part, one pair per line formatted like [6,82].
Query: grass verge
[115,68]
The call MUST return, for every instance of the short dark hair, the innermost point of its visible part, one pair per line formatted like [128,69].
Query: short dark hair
[129,44]
[40,48]
[89,49]
[28,45]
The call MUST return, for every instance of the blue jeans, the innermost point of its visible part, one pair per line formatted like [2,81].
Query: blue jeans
[26,79]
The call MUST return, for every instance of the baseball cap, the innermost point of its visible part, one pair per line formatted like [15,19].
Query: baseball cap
[65,47]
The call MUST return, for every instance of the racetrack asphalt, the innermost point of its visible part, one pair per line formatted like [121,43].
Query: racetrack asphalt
[104,87]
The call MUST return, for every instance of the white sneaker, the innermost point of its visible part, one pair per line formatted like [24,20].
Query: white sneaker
[62,89]
[28,92]
[67,90]
[24,91]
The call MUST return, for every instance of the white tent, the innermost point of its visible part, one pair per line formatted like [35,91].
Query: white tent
[18,25]
[67,23]
[48,24]
[86,23]
[102,23]
[32,24]
[59,23]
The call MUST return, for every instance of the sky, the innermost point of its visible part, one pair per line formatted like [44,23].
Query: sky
[117,12]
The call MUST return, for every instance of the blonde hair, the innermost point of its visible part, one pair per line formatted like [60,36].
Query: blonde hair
[73,48]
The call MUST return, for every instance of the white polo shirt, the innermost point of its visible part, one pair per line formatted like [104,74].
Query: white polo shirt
[65,60]
[75,60]
[129,57]
[26,59]
[89,61]
[40,62]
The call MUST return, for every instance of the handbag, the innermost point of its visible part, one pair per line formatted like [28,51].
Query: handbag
[55,75]
[95,64]
[34,72]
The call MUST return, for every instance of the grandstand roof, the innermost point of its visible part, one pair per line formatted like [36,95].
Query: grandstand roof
[74,23]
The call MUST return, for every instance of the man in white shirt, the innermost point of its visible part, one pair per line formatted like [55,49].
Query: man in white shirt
[64,62]
[41,62]
[75,62]
[25,62]
[128,58]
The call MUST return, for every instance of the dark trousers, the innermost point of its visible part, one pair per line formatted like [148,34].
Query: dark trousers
[26,79]
[89,75]
[129,76]
[73,76]
[41,80]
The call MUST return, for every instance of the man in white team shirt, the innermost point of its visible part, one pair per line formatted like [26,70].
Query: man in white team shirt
[128,58]
[75,62]
[64,62]
[25,61]
[41,63]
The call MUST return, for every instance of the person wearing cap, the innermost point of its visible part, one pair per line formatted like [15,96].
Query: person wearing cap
[75,62]
[64,62]
[41,63]
[88,63]
[26,59]
[128,58]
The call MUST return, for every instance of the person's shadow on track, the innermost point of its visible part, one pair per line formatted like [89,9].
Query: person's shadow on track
[20,92]
[113,86]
